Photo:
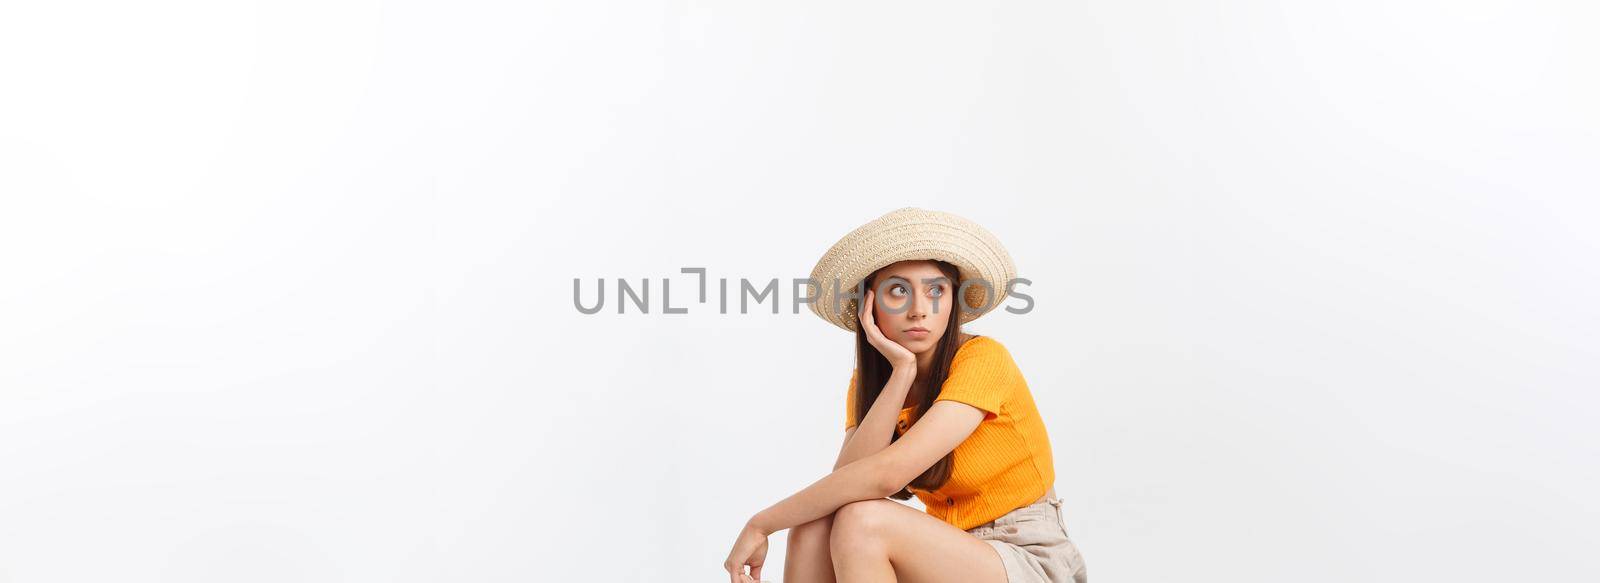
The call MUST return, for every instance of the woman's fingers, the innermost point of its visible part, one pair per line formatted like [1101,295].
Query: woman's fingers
[875,336]
[867,319]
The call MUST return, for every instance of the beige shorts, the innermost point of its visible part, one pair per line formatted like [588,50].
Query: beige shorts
[1033,544]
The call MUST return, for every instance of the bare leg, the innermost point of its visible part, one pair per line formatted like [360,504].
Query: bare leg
[807,559]
[883,540]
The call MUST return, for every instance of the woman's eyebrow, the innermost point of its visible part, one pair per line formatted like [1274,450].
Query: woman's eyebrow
[940,281]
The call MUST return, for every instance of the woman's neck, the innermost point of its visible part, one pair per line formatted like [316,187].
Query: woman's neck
[919,385]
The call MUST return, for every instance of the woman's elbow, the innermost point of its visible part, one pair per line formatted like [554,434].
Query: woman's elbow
[887,479]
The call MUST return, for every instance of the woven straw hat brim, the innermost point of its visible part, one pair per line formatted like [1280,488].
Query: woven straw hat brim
[913,233]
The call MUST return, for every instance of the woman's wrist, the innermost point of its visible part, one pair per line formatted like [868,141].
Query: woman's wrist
[758,523]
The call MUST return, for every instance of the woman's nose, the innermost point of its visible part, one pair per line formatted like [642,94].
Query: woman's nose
[919,308]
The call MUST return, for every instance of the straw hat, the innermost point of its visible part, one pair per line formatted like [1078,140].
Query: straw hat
[912,233]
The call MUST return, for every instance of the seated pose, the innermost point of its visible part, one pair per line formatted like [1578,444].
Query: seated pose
[931,411]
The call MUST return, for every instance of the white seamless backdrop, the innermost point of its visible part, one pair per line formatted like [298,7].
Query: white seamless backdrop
[286,288]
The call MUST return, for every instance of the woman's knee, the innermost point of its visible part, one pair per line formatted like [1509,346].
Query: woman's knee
[856,521]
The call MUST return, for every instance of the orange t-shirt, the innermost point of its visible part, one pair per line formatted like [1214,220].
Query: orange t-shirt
[1006,463]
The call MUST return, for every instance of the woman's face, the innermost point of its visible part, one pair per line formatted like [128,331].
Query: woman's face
[913,304]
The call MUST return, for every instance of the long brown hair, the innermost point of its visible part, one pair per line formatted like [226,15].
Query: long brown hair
[873,369]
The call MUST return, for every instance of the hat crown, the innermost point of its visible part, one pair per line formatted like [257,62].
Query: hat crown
[911,233]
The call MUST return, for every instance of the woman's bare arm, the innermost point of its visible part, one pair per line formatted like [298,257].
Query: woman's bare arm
[848,433]
[946,425]
[872,433]
[864,479]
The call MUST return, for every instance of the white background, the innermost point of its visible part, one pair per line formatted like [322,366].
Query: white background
[286,288]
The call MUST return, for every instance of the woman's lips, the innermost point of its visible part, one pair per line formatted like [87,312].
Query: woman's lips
[918,334]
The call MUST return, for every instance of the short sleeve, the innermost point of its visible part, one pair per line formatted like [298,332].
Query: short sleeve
[982,375]
[850,402]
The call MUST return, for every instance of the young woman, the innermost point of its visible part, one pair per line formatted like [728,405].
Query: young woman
[930,411]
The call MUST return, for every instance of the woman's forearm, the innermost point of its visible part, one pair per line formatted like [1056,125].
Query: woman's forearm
[856,475]
[861,480]
[873,432]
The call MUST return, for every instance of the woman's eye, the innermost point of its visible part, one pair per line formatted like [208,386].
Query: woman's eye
[937,290]
[897,290]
